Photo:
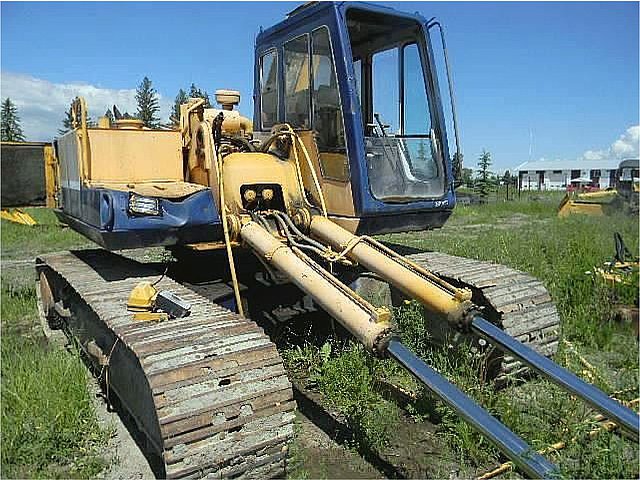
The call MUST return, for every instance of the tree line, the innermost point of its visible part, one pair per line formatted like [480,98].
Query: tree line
[147,110]
[484,181]
[148,107]
[10,128]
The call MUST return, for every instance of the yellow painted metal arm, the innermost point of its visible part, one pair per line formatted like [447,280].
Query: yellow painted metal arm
[368,324]
[416,282]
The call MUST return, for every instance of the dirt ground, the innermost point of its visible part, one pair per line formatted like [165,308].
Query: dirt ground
[125,459]
[326,445]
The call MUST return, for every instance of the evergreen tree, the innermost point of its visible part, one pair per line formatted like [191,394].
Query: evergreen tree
[467,177]
[67,122]
[195,92]
[506,178]
[422,152]
[147,98]
[457,168]
[483,183]
[181,98]
[10,129]
[423,164]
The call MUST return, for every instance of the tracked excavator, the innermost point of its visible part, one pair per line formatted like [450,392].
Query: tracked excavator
[303,188]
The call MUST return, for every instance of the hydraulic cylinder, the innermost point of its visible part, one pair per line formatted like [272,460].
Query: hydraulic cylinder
[362,319]
[445,300]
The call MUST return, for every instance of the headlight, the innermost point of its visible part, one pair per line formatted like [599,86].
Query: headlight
[144,205]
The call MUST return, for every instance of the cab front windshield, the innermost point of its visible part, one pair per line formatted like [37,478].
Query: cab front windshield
[403,155]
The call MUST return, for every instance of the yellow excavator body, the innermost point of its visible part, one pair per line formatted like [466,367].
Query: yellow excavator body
[301,194]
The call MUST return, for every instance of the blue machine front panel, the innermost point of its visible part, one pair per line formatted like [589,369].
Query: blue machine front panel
[105,219]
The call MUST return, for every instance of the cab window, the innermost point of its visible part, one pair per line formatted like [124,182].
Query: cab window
[269,89]
[296,83]
[403,149]
[327,114]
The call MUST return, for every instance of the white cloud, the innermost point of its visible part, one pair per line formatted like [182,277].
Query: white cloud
[627,146]
[42,104]
[594,155]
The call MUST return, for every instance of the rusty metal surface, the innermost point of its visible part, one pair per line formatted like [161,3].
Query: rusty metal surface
[209,390]
[517,301]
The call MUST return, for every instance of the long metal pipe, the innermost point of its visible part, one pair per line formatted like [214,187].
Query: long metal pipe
[358,317]
[523,456]
[615,411]
[442,301]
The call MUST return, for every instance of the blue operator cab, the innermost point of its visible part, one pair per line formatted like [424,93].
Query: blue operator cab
[362,80]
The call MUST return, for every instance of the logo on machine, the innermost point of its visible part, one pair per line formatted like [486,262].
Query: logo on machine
[442,203]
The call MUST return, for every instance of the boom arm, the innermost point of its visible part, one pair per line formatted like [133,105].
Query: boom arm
[452,303]
[374,331]
[372,328]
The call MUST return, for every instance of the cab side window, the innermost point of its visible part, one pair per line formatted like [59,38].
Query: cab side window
[269,89]
[327,115]
[296,83]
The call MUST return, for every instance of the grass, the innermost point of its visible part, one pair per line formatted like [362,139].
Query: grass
[49,426]
[528,236]
[19,240]
[557,251]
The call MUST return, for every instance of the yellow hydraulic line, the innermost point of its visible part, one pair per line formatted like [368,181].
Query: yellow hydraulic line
[287,130]
[225,229]
[362,319]
[313,173]
[416,282]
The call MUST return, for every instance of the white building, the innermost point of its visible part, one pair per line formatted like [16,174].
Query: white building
[557,174]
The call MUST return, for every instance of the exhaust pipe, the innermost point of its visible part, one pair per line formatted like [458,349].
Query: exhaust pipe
[623,416]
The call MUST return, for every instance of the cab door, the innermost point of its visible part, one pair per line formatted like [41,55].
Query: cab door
[312,106]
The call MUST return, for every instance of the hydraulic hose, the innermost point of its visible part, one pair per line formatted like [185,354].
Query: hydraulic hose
[461,312]
[227,239]
[374,331]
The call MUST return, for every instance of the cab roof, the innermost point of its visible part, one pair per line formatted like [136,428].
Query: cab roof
[314,9]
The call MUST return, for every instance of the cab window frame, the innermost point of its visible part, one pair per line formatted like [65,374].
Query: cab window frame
[276,63]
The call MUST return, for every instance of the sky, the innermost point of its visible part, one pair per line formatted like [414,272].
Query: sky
[538,80]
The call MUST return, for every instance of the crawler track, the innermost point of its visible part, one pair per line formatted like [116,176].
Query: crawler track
[208,391]
[516,301]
